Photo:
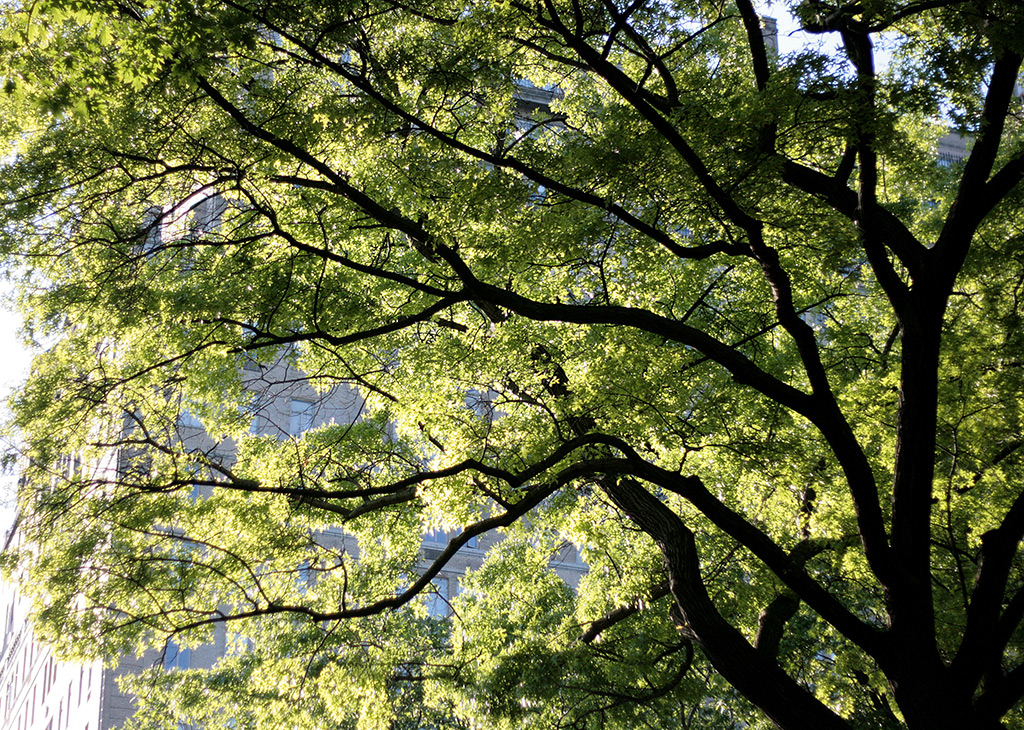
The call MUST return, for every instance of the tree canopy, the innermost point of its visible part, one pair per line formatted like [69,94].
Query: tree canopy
[605,273]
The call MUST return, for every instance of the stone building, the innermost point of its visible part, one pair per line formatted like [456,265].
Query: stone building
[41,692]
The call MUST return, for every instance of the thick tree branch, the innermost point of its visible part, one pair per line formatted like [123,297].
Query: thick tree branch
[833,190]
[621,20]
[996,702]
[1001,184]
[626,87]
[758,677]
[972,202]
[531,499]
[861,53]
[771,623]
[598,626]
[387,216]
[986,635]
[787,568]
[912,9]
[328,255]
[755,40]
[261,339]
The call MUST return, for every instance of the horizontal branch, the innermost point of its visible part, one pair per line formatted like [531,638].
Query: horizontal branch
[530,500]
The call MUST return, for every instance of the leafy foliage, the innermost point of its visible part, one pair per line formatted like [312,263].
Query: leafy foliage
[609,277]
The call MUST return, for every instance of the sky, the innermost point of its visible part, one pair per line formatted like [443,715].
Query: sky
[14,363]
[790,37]
[14,358]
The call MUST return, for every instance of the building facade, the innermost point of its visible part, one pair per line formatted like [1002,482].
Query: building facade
[42,692]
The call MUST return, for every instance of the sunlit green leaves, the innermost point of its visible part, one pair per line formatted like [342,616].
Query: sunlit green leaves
[492,237]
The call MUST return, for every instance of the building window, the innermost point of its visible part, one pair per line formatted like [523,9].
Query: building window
[437,599]
[306,576]
[187,419]
[152,233]
[207,215]
[176,657]
[443,537]
[302,414]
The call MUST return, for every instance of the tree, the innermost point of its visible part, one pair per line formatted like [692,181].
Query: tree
[607,273]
